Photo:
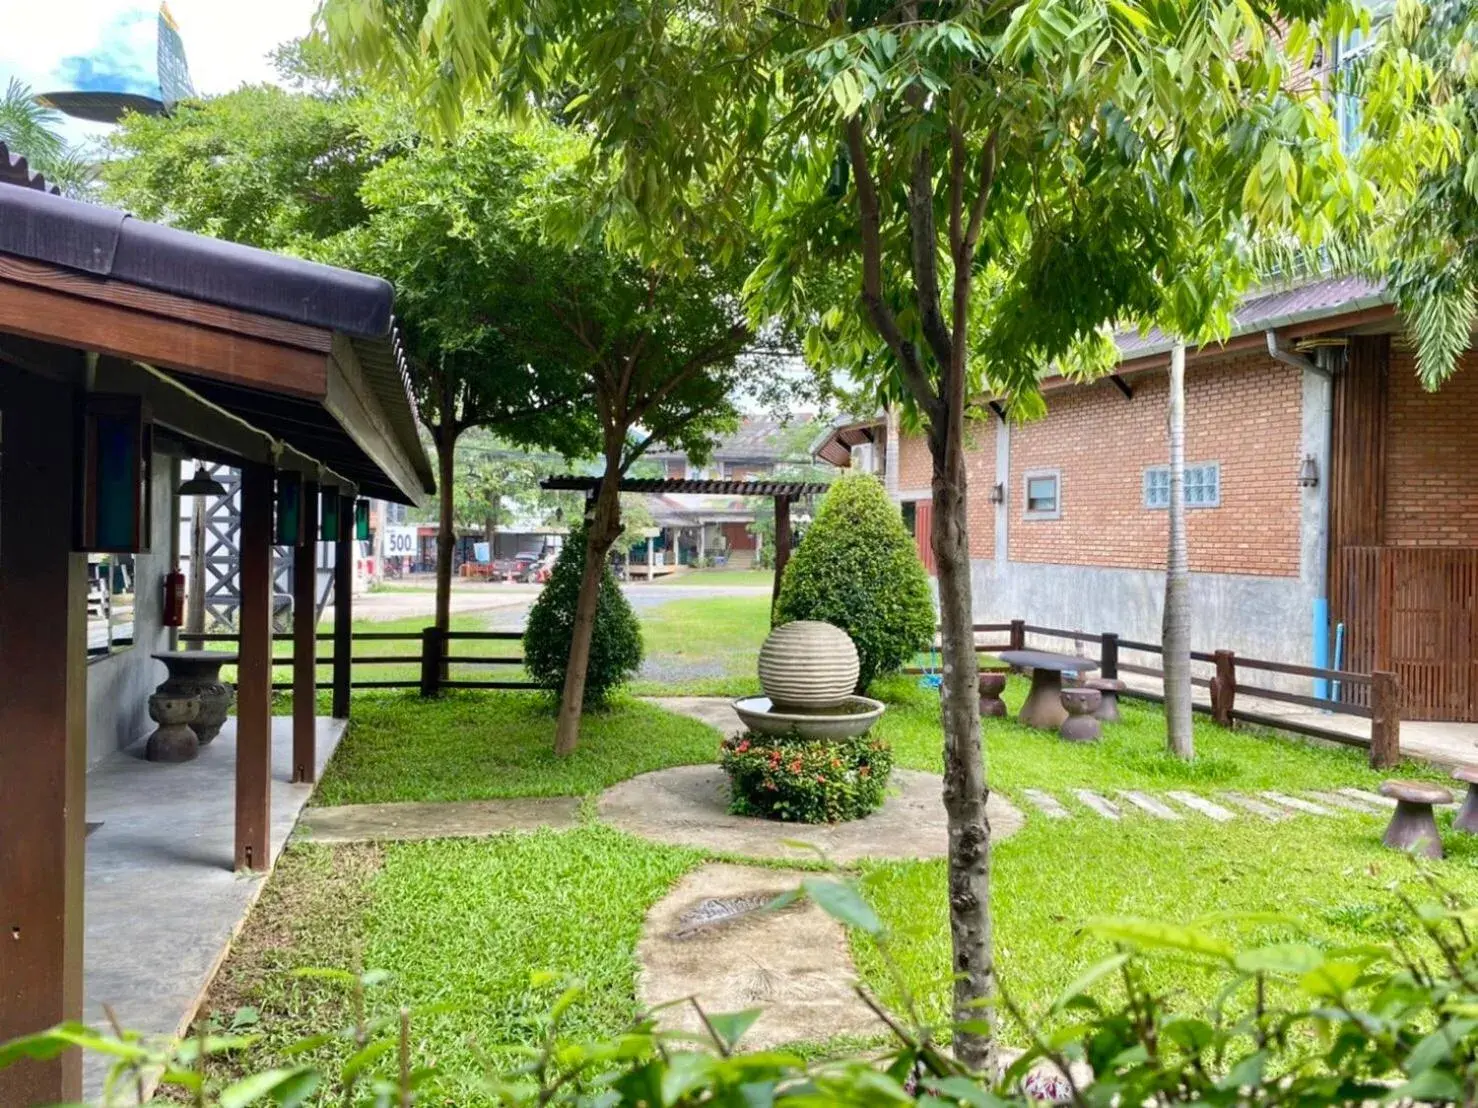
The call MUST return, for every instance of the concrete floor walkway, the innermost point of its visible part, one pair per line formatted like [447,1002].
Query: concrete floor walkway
[162,901]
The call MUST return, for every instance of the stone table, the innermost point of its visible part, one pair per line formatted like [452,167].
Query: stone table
[1043,708]
[1413,826]
[198,673]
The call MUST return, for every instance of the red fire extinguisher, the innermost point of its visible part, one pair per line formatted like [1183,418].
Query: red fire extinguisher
[174,598]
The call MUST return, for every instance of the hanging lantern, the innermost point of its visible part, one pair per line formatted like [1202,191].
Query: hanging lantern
[113,485]
[361,520]
[201,484]
[328,515]
[289,509]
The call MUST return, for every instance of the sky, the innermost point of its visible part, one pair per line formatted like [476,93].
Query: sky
[55,45]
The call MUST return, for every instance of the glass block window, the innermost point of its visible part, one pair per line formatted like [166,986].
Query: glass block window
[1202,486]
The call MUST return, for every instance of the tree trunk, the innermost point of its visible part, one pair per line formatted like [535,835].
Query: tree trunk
[964,764]
[1175,635]
[599,536]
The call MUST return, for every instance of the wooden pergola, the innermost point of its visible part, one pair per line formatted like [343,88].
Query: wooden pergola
[123,341]
[784,493]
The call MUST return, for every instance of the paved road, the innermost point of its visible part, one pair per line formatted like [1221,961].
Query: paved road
[509,604]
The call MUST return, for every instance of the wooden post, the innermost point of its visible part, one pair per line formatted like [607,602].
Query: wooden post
[1385,720]
[1018,634]
[431,664]
[782,547]
[651,565]
[43,734]
[305,643]
[1224,687]
[343,606]
[1108,656]
[254,672]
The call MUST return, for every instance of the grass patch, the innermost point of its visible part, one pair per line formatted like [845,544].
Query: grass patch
[459,923]
[703,646]
[479,745]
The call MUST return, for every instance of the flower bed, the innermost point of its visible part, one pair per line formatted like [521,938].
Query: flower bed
[806,780]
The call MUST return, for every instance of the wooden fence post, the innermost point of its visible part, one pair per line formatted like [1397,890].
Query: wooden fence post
[431,652]
[1018,634]
[1108,656]
[1385,720]
[1224,687]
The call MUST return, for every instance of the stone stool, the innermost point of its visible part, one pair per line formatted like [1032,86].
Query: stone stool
[1109,689]
[1080,725]
[992,684]
[1414,827]
[1467,816]
[175,740]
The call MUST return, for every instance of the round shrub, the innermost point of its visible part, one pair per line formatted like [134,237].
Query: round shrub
[615,643]
[806,780]
[858,568]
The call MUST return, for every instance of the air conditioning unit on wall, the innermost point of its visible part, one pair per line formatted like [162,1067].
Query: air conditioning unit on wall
[865,458]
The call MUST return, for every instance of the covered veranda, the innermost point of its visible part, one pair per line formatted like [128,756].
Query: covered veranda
[125,347]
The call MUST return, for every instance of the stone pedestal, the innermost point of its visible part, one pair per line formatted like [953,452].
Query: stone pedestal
[1108,705]
[174,741]
[992,684]
[1080,725]
[197,673]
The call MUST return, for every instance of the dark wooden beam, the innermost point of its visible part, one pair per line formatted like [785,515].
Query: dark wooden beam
[43,733]
[343,607]
[1123,386]
[254,673]
[305,643]
[52,316]
[352,403]
[782,548]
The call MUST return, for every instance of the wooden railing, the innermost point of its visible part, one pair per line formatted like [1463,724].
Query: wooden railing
[431,658]
[1380,702]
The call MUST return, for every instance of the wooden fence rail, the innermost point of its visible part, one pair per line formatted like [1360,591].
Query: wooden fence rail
[1382,705]
[431,658]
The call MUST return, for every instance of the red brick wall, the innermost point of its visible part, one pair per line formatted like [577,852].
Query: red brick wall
[1431,447]
[1243,411]
[916,471]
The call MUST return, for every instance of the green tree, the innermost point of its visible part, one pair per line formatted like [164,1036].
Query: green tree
[953,198]
[615,651]
[31,129]
[859,570]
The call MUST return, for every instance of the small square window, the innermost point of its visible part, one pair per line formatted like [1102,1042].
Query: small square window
[1043,495]
[1202,486]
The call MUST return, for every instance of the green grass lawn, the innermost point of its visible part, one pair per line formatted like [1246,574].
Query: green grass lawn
[703,646]
[757,578]
[465,922]
[476,745]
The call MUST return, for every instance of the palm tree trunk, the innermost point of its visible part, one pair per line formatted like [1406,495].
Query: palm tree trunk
[1176,630]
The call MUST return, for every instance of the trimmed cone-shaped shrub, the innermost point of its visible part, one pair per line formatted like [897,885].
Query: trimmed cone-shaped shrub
[615,643]
[858,569]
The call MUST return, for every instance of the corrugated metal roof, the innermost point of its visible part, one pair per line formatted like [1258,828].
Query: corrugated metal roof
[1273,309]
[14,170]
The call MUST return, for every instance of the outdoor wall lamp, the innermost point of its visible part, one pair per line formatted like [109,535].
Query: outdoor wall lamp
[202,484]
[998,494]
[1308,472]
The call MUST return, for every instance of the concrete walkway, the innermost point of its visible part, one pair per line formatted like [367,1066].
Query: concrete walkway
[468,819]
[162,901]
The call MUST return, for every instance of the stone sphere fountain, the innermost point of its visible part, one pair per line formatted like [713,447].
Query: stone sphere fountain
[808,670]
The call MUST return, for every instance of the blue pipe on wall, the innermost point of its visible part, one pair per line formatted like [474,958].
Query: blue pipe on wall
[1321,645]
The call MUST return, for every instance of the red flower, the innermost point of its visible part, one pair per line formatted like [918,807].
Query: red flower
[795,766]
[743,746]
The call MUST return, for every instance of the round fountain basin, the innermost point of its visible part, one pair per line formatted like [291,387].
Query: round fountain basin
[852,717]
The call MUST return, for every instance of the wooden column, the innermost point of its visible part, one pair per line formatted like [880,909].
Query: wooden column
[305,645]
[1385,720]
[43,733]
[254,672]
[782,546]
[343,606]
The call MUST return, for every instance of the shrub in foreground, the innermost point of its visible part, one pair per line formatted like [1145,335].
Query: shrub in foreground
[858,569]
[615,644]
[1297,1024]
[806,780]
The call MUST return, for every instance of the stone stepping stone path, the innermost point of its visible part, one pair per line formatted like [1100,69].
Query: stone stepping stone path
[1270,805]
[713,938]
[467,819]
[689,806]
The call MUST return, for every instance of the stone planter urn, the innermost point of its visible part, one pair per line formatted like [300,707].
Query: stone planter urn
[197,673]
[808,665]
[174,741]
